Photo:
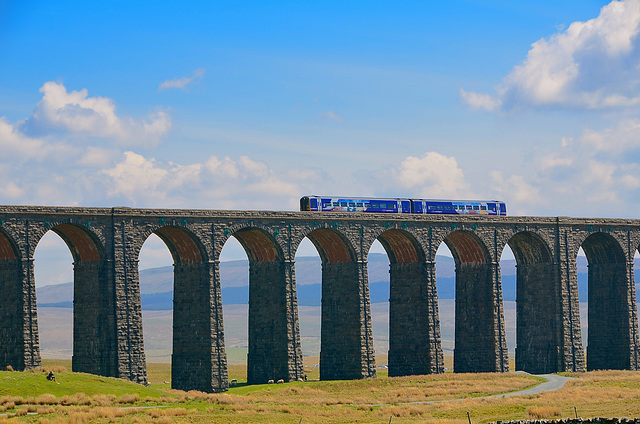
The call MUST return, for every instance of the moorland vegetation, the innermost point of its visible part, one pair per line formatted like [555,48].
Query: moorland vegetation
[440,399]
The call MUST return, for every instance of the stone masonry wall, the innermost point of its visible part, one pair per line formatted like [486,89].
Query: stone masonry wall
[414,344]
[538,315]
[549,341]
[479,330]
[576,421]
[272,337]
[345,326]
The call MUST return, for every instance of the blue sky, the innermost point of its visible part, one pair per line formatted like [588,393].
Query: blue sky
[217,106]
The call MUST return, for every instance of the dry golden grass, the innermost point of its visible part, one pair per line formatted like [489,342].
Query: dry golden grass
[365,401]
[543,412]
[57,369]
[46,399]
[167,412]
[45,409]
[76,399]
[128,399]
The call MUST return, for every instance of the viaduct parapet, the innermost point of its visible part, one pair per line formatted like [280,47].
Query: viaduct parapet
[105,244]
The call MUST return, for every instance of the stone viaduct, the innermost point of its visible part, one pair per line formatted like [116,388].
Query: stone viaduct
[105,243]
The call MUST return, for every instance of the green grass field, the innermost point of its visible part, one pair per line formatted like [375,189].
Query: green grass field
[83,398]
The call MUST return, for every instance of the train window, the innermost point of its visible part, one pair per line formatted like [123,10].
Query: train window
[343,204]
[352,204]
[475,208]
[336,203]
[483,207]
[455,207]
[360,205]
[492,207]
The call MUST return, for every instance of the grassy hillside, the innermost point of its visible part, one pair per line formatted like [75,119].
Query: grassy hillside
[445,398]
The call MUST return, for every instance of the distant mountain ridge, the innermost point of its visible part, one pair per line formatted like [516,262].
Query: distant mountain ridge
[156,284]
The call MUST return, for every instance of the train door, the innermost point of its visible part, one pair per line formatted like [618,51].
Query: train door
[416,206]
[406,206]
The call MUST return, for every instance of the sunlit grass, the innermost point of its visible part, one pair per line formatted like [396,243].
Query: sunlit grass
[82,398]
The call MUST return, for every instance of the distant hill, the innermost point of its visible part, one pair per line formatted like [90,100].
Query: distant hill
[156,284]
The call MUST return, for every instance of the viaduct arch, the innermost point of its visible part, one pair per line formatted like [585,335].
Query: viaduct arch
[105,243]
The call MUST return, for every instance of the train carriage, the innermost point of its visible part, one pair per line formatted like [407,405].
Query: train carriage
[401,205]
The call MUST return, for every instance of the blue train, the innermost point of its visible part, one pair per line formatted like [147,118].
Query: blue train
[353,204]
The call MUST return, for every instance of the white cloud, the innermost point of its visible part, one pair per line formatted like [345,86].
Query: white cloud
[184,175]
[136,175]
[630,182]
[216,183]
[76,114]
[252,168]
[220,168]
[590,65]
[96,157]
[14,143]
[46,164]
[597,172]
[182,83]
[515,189]
[479,100]
[622,138]
[554,160]
[433,175]
[11,190]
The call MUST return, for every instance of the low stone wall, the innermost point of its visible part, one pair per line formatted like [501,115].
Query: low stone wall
[576,421]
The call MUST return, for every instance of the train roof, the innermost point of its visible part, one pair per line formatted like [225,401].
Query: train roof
[404,198]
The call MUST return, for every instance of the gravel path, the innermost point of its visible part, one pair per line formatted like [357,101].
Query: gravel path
[554,382]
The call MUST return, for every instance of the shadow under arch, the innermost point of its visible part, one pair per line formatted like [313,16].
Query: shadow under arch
[539,335]
[346,336]
[415,346]
[612,343]
[94,327]
[19,346]
[274,334]
[198,360]
[480,340]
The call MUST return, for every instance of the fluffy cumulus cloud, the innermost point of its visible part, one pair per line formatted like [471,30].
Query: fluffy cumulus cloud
[590,65]
[215,183]
[591,68]
[136,174]
[432,175]
[76,149]
[598,172]
[516,189]
[76,114]
[16,144]
[182,83]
